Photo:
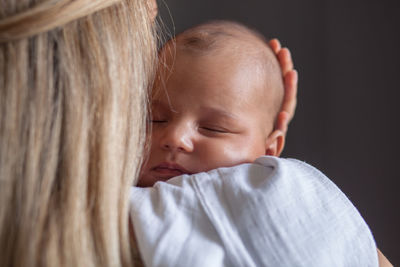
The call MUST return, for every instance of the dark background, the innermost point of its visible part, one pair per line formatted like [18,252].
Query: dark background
[347,53]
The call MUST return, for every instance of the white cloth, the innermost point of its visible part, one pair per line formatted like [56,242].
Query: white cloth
[275,212]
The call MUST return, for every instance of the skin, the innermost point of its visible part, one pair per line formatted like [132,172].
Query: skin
[206,118]
[290,77]
[153,9]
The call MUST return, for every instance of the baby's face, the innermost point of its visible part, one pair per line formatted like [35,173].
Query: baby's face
[207,115]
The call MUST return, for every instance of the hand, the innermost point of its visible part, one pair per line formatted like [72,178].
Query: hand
[290,79]
[383,261]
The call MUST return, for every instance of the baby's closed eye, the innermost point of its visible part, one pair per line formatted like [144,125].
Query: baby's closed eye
[158,121]
[215,129]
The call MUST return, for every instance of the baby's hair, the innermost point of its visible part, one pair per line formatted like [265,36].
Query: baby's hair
[211,35]
[217,35]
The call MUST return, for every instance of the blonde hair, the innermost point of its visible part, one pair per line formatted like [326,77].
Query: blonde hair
[73,80]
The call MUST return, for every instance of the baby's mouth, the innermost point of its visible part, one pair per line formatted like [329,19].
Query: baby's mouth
[167,170]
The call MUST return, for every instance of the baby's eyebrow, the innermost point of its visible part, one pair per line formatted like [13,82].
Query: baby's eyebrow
[211,111]
[206,110]
[156,103]
[161,105]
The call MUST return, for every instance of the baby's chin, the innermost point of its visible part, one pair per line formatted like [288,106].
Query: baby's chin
[148,180]
[143,182]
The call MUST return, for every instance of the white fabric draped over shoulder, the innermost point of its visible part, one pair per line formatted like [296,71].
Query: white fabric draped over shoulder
[275,212]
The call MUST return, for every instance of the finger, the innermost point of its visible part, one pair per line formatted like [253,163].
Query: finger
[282,122]
[285,60]
[275,45]
[290,98]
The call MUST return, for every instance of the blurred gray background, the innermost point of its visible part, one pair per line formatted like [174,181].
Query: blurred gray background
[347,53]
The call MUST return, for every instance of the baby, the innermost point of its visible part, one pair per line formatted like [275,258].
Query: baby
[214,103]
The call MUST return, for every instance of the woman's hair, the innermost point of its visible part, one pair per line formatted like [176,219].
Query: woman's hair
[73,82]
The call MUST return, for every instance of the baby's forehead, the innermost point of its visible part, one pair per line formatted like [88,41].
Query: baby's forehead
[220,37]
[228,41]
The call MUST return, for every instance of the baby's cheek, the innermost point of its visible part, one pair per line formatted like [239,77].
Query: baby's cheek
[234,155]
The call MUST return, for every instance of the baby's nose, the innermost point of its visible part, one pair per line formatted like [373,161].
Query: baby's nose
[177,137]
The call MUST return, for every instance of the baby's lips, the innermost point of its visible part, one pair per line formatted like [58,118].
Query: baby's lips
[171,166]
[167,170]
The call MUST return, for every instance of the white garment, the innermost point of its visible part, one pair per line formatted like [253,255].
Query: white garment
[275,212]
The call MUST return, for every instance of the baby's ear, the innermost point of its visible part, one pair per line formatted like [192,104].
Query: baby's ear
[275,143]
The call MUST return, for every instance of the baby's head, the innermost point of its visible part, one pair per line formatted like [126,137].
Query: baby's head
[214,103]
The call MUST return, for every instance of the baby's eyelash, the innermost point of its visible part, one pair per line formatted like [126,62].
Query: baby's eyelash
[158,121]
[214,130]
